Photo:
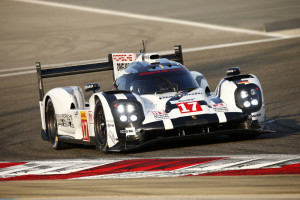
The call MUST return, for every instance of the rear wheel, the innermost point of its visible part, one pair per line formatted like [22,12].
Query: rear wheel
[100,128]
[51,124]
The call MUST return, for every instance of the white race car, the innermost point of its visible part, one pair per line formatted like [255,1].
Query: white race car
[154,98]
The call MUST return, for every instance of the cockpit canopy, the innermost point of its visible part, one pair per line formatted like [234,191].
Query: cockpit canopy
[161,77]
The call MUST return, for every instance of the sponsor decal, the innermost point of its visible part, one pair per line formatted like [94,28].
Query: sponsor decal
[257,115]
[129,131]
[242,82]
[110,124]
[189,107]
[180,95]
[220,107]
[186,100]
[121,66]
[84,126]
[160,115]
[64,120]
[91,117]
[111,137]
[166,97]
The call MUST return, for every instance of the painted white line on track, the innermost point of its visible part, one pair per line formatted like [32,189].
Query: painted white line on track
[57,65]
[18,73]
[151,18]
[186,50]
[219,46]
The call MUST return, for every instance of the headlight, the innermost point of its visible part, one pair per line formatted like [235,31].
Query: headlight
[130,108]
[127,112]
[133,118]
[247,104]
[244,94]
[120,108]
[254,102]
[123,118]
[248,97]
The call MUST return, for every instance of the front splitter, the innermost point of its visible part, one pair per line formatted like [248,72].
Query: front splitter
[238,132]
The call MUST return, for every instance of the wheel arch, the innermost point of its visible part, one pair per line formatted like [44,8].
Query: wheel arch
[112,137]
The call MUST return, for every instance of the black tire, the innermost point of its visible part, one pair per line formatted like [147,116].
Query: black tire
[51,125]
[100,128]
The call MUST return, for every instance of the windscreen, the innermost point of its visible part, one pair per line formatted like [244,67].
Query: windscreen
[162,81]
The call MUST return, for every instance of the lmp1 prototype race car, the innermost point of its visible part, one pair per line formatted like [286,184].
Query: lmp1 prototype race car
[154,98]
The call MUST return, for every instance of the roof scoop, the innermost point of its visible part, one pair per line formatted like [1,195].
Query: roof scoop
[151,58]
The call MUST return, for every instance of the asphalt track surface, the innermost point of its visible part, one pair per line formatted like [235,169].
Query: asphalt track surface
[32,32]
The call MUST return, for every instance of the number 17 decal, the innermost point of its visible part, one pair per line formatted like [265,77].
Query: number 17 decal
[188,107]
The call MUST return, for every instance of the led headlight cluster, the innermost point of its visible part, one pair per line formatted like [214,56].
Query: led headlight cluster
[248,97]
[127,111]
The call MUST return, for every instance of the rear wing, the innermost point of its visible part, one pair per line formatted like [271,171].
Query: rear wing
[88,68]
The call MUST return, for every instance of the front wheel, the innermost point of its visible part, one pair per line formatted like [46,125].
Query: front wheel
[100,128]
[51,124]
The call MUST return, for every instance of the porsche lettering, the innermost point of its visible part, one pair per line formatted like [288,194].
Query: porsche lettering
[123,57]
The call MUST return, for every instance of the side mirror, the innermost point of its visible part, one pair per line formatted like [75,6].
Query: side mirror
[233,71]
[92,87]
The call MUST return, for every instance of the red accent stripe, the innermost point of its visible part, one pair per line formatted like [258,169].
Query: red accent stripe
[287,169]
[4,165]
[122,166]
